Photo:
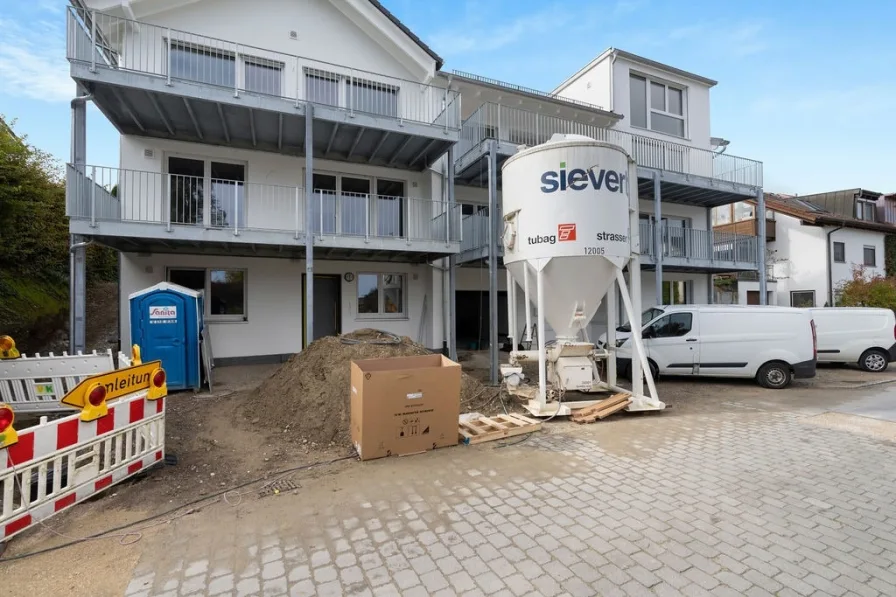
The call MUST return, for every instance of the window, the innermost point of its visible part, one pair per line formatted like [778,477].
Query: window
[205,65]
[676,292]
[646,317]
[263,76]
[721,215]
[671,326]
[657,106]
[381,295]
[839,252]
[870,256]
[224,290]
[347,205]
[333,89]
[228,186]
[802,298]
[865,210]
[743,211]
[195,183]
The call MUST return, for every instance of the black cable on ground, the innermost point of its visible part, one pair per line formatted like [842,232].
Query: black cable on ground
[172,510]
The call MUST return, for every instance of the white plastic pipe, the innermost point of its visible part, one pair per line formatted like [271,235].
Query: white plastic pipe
[611,334]
[542,356]
[635,318]
[528,307]
[511,311]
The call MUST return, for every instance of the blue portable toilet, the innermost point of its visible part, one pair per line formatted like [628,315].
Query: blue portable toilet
[166,322]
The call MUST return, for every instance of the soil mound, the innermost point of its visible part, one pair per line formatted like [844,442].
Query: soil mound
[308,397]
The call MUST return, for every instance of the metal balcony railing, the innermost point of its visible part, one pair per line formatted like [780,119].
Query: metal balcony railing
[108,42]
[101,194]
[521,127]
[474,229]
[701,247]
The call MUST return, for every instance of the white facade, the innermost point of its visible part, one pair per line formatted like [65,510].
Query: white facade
[274,300]
[606,81]
[801,259]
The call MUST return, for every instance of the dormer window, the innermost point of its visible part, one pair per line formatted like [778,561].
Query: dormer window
[657,106]
[865,210]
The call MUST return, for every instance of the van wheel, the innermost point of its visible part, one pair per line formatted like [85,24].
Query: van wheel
[774,375]
[654,371]
[874,360]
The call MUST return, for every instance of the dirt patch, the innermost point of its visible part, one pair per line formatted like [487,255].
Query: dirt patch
[309,396]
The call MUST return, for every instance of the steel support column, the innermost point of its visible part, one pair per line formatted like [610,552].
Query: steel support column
[452,265]
[711,248]
[760,216]
[309,215]
[77,338]
[493,223]
[658,237]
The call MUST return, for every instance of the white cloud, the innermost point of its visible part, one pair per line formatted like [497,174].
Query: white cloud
[32,58]
[470,37]
[738,39]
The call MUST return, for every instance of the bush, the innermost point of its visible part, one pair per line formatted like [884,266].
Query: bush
[868,291]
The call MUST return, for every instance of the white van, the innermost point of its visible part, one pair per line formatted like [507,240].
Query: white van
[773,345]
[856,335]
[625,330]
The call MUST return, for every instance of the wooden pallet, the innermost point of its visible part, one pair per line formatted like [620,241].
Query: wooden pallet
[602,409]
[486,429]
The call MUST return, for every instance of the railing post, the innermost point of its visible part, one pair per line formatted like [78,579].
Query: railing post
[236,71]
[236,212]
[93,196]
[168,82]
[735,243]
[168,211]
[351,86]
[320,202]
[297,214]
[367,218]
[93,41]
[298,82]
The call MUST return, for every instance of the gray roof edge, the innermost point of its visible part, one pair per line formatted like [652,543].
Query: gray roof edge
[397,22]
[665,67]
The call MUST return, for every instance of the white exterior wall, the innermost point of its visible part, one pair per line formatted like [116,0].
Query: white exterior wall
[696,214]
[274,300]
[271,182]
[593,86]
[801,257]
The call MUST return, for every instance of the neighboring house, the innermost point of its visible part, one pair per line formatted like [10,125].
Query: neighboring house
[814,249]
[256,152]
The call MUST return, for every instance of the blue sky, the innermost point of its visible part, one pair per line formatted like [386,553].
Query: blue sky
[807,87]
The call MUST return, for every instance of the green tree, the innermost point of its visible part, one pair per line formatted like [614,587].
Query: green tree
[867,291]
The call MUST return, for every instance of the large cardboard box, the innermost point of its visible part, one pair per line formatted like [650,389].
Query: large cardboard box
[404,405]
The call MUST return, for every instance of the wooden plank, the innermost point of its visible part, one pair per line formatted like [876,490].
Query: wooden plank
[600,406]
[603,413]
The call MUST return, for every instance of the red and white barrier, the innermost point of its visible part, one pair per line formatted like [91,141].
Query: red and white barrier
[58,464]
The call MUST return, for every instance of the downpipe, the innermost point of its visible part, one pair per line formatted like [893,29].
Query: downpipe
[830,266]
[71,290]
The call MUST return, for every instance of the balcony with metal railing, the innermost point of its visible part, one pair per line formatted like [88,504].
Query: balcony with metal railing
[720,177]
[161,82]
[151,211]
[690,249]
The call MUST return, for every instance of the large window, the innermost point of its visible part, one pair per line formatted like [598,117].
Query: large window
[381,295]
[657,106]
[204,65]
[839,252]
[224,290]
[263,76]
[358,206]
[870,256]
[802,298]
[197,183]
[341,91]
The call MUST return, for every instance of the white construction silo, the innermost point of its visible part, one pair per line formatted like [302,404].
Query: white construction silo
[571,209]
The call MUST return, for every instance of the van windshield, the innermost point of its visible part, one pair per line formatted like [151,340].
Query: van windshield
[646,316]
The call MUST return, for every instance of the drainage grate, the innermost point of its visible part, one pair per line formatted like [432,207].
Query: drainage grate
[279,486]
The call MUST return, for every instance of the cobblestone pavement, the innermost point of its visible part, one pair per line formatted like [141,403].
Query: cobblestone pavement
[752,500]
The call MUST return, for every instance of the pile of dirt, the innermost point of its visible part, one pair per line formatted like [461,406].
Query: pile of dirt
[308,397]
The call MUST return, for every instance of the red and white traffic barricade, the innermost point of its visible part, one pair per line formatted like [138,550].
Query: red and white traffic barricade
[49,467]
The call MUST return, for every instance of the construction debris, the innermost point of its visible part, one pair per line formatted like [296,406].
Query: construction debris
[602,409]
[486,429]
[309,395]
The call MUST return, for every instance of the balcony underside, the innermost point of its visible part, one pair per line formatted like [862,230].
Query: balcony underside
[140,104]
[675,264]
[143,237]
[472,168]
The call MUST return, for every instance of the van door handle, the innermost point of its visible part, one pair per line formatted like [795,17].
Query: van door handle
[691,340]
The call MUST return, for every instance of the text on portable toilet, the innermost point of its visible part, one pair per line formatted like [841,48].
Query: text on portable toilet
[167,314]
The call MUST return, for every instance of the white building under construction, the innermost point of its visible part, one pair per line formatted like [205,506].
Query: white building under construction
[312,187]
